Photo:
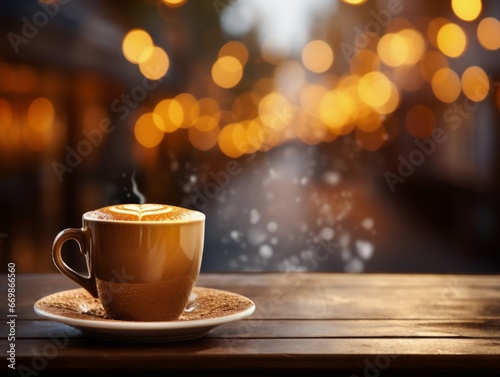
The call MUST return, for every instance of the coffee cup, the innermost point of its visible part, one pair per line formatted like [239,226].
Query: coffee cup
[143,260]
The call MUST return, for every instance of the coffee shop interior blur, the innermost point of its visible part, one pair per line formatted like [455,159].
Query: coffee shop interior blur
[326,135]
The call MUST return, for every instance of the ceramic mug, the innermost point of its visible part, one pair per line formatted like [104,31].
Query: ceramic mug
[143,260]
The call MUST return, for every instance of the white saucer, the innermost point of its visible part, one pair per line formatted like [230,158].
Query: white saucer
[77,308]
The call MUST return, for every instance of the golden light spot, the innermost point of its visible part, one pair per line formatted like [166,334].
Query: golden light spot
[393,49]
[190,108]
[146,132]
[364,61]
[374,89]
[317,56]
[416,44]
[203,140]
[208,114]
[406,47]
[225,141]
[227,72]
[239,137]
[354,2]
[255,135]
[371,141]
[41,114]
[338,111]
[135,42]
[433,28]
[467,10]
[169,115]
[420,121]
[208,106]
[488,33]
[154,63]
[452,40]
[392,103]
[235,49]
[432,62]
[275,111]
[475,83]
[206,123]
[173,3]
[446,85]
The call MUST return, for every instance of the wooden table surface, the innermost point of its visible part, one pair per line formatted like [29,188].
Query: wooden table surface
[315,323]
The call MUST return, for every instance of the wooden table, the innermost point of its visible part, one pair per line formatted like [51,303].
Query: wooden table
[304,323]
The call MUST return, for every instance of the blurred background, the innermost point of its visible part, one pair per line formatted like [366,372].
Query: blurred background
[325,135]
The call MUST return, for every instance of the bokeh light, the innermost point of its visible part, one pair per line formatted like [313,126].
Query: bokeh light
[173,3]
[317,56]
[154,63]
[475,83]
[169,115]
[338,111]
[488,33]
[235,49]
[146,132]
[190,108]
[226,143]
[41,114]
[467,10]
[433,29]
[135,42]
[203,140]
[446,85]
[452,40]
[227,72]
[378,92]
[393,50]
[354,2]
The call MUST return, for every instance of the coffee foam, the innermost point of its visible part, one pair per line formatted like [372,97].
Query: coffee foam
[144,212]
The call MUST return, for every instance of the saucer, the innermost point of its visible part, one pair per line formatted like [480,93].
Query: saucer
[212,308]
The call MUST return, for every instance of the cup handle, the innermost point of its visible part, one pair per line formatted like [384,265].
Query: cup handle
[81,236]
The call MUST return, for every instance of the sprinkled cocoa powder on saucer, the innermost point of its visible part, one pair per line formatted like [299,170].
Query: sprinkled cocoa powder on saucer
[79,304]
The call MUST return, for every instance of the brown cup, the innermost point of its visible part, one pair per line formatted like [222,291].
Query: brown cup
[143,259]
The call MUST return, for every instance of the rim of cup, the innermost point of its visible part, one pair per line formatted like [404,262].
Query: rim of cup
[197,217]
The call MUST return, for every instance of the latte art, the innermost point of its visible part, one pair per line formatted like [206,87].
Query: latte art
[144,212]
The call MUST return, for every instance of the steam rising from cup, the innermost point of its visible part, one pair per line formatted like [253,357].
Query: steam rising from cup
[136,191]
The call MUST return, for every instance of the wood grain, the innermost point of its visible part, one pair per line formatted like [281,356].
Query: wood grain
[329,324]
